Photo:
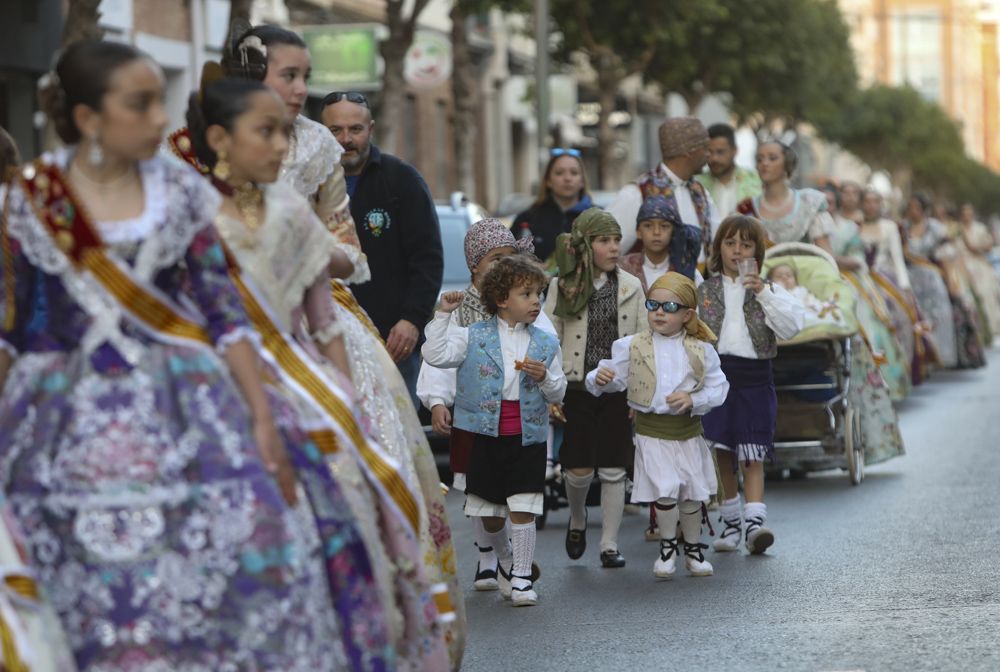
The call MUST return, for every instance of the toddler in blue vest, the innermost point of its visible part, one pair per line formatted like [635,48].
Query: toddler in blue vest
[509,372]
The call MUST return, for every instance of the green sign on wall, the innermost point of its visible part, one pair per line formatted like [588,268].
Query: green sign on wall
[343,57]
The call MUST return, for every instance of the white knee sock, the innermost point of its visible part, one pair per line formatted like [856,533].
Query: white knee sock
[730,510]
[523,543]
[500,543]
[612,506]
[690,514]
[666,519]
[577,488]
[487,559]
[755,513]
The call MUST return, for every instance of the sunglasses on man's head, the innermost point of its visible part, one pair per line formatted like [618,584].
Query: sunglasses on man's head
[559,151]
[667,306]
[351,96]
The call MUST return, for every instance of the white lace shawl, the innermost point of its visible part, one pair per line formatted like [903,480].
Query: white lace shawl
[286,254]
[808,220]
[312,158]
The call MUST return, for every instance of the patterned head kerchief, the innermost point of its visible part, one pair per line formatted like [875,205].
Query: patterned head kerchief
[487,235]
[575,259]
[680,135]
[697,331]
[685,240]
[658,207]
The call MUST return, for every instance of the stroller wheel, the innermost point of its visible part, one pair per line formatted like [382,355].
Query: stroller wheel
[854,449]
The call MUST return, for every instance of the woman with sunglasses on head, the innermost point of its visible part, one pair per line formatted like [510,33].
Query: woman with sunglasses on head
[279,58]
[562,196]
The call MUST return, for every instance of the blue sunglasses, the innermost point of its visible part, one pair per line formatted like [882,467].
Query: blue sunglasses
[559,151]
[667,306]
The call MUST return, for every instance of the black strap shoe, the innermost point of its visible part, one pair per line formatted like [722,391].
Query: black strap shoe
[612,559]
[576,542]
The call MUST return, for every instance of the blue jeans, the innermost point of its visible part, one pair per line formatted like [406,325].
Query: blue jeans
[409,368]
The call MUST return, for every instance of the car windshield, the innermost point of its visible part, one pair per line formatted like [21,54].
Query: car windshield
[453,228]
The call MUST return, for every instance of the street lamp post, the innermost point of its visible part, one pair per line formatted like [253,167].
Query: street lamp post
[542,80]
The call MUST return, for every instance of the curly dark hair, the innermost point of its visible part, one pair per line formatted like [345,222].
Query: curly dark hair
[515,270]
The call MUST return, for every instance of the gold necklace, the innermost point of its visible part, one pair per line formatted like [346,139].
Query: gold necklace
[248,198]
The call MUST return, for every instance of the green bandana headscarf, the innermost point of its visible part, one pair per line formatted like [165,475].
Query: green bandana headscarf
[575,259]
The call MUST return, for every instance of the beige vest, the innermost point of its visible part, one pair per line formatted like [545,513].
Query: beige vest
[642,367]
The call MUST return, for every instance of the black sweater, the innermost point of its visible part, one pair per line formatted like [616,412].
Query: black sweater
[399,231]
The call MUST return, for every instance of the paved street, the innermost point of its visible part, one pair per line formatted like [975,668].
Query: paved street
[901,573]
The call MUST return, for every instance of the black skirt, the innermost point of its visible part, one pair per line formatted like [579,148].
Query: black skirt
[501,467]
[598,431]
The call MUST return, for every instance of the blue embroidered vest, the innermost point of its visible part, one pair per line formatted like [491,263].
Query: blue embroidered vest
[481,378]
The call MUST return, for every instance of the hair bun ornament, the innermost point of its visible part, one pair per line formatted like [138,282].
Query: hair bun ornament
[251,42]
[51,98]
[211,72]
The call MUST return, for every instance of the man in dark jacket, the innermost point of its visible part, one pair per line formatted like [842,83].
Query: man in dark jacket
[398,229]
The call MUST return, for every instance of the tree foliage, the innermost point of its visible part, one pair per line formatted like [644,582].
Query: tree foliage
[895,129]
[777,59]
[619,38]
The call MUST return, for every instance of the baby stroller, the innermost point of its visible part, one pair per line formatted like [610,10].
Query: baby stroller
[819,422]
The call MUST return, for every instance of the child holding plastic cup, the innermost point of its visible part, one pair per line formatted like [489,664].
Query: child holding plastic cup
[749,316]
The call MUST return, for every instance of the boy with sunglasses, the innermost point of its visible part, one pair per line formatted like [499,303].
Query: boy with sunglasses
[672,377]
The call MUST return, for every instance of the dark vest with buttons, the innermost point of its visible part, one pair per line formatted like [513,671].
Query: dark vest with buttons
[712,310]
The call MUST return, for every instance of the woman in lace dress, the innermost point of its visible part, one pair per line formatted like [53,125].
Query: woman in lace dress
[281,60]
[801,215]
[928,251]
[140,454]
[872,312]
[285,252]
[789,215]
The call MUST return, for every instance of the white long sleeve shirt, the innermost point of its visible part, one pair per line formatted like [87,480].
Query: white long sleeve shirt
[782,313]
[447,345]
[673,374]
[436,386]
[625,208]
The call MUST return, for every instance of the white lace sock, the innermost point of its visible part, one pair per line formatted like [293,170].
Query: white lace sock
[487,559]
[523,543]
[501,545]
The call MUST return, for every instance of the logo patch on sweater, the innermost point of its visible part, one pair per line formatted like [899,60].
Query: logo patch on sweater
[377,221]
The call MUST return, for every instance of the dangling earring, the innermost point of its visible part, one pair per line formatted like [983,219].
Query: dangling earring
[221,170]
[95,155]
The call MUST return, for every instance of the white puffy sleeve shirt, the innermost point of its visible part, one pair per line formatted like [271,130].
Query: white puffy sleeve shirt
[783,314]
[673,374]
[447,345]
[436,386]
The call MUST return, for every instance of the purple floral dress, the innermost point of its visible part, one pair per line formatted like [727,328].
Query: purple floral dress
[161,541]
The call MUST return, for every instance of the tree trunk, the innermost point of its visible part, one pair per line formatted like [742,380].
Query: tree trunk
[463,86]
[608,81]
[81,21]
[240,9]
[388,130]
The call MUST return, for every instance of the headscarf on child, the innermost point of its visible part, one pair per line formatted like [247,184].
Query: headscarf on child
[575,258]
[487,235]
[683,288]
[685,240]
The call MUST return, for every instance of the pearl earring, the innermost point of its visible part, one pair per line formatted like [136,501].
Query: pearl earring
[95,155]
